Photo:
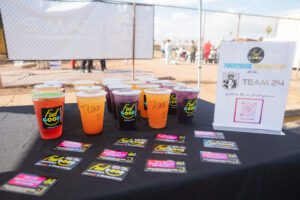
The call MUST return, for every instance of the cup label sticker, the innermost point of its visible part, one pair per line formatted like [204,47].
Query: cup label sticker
[173,102]
[29,184]
[131,142]
[59,162]
[189,107]
[168,166]
[170,138]
[119,156]
[227,158]
[73,146]
[209,134]
[145,103]
[128,111]
[51,117]
[169,149]
[220,144]
[108,171]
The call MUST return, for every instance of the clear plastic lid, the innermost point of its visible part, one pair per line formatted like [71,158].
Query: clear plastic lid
[136,82]
[84,88]
[186,89]
[174,84]
[84,82]
[146,86]
[159,81]
[47,95]
[126,92]
[106,83]
[47,86]
[91,93]
[158,91]
[118,86]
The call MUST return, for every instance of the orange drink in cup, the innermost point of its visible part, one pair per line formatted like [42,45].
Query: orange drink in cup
[158,106]
[142,99]
[91,107]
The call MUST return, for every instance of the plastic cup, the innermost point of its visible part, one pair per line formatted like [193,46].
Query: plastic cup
[143,100]
[186,103]
[134,84]
[173,102]
[146,78]
[126,108]
[111,79]
[49,110]
[158,105]
[111,88]
[87,88]
[48,88]
[108,100]
[91,107]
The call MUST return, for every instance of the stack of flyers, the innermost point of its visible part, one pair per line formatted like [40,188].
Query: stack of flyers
[119,156]
[209,134]
[169,166]
[169,149]
[170,138]
[29,184]
[73,146]
[60,162]
[220,144]
[131,142]
[228,158]
[108,171]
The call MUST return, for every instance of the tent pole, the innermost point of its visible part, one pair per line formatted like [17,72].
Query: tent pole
[133,41]
[200,46]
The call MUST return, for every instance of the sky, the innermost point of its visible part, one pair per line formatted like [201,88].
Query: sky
[181,24]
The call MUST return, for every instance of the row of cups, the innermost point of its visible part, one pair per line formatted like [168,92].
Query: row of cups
[150,97]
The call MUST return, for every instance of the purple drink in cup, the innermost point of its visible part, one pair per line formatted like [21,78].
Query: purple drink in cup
[186,103]
[108,100]
[126,107]
[173,102]
[115,86]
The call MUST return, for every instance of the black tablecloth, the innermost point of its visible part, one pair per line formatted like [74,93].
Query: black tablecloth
[270,166]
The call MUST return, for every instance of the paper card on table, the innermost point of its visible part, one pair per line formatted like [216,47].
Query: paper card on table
[119,156]
[220,144]
[59,162]
[168,166]
[209,134]
[169,149]
[108,171]
[170,138]
[227,158]
[131,142]
[73,146]
[29,184]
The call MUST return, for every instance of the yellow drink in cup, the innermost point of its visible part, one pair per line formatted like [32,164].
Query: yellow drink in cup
[158,106]
[142,99]
[91,107]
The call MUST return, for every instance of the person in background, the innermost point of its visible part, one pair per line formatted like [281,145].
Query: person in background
[168,51]
[89,65]
[103,64]
[193,50]
[206,51]
[162,48]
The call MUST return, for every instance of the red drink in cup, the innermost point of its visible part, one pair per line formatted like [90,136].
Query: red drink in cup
[49,110]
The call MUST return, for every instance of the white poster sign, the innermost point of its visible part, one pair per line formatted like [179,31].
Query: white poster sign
[63,30]
[252,86]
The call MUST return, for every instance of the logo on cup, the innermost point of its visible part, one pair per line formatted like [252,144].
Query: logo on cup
[190,106]
[256,55]
[173,100]
[51,117]
[128,111]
